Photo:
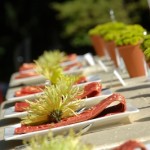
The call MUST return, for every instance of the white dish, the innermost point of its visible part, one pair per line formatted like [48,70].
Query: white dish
[76,70]
[98,122]
[10,93]
[10,112]
[26,81]
[79,58]
[147,146]
[41,78]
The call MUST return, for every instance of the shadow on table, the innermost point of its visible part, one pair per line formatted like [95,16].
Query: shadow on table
[110,126]
[112,80]
[143,119]
[5,145]
[136,87]
[5,122]
[10,104]
[140,96]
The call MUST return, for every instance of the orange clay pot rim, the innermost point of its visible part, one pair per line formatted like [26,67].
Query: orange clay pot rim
[109,41]
[126,46]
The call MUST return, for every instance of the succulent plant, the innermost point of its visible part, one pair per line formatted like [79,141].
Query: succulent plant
[145,46]
[131,35]
[105,28]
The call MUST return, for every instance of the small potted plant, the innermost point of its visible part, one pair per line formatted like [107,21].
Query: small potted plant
[98,36]
[97,41]
[145,46]
[128,44]
[110,37]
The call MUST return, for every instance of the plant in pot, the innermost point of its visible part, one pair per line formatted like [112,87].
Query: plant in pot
[98,33]
[129,48]
[145,46]
[110,37]
[97,41]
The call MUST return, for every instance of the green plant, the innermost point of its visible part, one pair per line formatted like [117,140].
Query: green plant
[80,16]
[59,142]
[131,35]
[48,65]
[145,46]
[113,32]
[105,28]
[57,102]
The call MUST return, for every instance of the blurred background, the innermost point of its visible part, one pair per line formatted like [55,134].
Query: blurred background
[28,27]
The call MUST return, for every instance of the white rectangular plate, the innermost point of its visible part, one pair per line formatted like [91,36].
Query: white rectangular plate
[40,78]
[98,122]
[10,112]
[10,93]
[25,81]
[80,58]
[147,146]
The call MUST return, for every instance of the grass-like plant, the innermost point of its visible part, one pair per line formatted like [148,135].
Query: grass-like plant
[59,142]
[48,65]
[52,57]
[58,101]
[50,72]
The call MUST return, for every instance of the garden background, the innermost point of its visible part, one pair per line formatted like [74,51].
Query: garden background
[28,27]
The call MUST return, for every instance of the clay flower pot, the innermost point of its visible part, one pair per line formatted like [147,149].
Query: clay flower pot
[111,51]
[134,59]
[98,44]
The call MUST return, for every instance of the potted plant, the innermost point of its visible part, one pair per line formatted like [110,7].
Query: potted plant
[97,41]
[110,38]
[145,46]
[101,33]
[129,48]
[97,37]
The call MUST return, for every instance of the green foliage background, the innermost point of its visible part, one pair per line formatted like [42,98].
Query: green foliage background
[79,16]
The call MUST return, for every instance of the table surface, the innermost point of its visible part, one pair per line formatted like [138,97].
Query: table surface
[136,127]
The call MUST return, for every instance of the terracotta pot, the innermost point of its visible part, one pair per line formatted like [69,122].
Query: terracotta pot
[111,51]
[98,44]
[134,59]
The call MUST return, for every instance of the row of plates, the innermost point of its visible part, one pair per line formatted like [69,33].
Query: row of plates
[98,122]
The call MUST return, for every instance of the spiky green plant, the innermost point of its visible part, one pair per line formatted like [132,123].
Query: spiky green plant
[52,73]
[49,142]
[58,101]
[49,66]
[49,63]
[52,57]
